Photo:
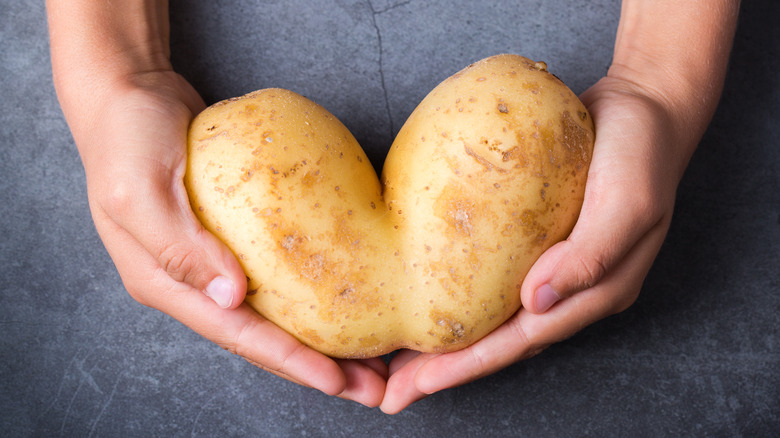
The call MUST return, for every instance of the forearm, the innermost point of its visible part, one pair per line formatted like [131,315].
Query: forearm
[677,51]
[97,44]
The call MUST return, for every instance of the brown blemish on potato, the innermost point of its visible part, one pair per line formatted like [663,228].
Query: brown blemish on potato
[460,216]
[532,87]
[530,225]
[453,330]
[482,160]
[516,153]
[311,337]
[312,177]
[339,288]
[577,142]
[294,168]
[369,342]
[502,108]
[204,141]
[344,236]
[248,173]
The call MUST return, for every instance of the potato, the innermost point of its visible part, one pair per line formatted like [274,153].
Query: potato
[487,173]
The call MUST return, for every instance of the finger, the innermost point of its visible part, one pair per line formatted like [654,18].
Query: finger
[400,359]
[378,365]
[401,389]
[527,333]
[365,381]
[624,198]
[241,330]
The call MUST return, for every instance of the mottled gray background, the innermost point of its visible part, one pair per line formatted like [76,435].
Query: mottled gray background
[697,355]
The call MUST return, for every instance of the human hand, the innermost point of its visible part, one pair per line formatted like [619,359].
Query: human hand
[599,269]
[129,114]
[134,154]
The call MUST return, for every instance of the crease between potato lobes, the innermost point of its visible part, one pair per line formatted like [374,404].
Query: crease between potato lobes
[488,172]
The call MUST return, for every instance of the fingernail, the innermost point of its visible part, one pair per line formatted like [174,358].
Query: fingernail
[221,291]
[546,296]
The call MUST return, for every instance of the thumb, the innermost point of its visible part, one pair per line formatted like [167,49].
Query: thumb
[629,194]
[611,223]
[156,213]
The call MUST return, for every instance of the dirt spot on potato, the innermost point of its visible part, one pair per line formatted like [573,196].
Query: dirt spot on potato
[482,161]
[368,342]
[460,215]
[312,177]
[327,265]
[529,223]
[577,141]
[311,337]
[517,154]
[452,330]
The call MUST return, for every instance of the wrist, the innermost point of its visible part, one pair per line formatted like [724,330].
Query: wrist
[101,50]
[676,53]
[96,46]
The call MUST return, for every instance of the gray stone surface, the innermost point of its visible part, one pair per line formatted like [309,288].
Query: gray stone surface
[697,355]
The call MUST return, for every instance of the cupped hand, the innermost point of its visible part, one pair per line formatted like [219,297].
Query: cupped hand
[134,152]
[599,269]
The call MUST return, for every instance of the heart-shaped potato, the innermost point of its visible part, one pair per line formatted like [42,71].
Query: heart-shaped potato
[487,173]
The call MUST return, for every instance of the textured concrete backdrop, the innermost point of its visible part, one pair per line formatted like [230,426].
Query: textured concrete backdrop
[698,354]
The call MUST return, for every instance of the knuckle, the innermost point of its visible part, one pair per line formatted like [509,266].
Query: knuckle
[649,206]
[178,261]
[118,198]
[152,292]
[478,360]
[123,197]
[238,345]
[519,333]
[646,208]
[529,349]
[626,300]
[138,295]
[589,270]
[244,344]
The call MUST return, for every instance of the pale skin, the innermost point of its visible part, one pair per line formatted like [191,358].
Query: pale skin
[129,111]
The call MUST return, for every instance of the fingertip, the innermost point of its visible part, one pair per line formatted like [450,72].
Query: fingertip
[334,386]
[223,291]
[402,390]
[310,368]
[229,286]
[545,297]
[434,376]
[364,383]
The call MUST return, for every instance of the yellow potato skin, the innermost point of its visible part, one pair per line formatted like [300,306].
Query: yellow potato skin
[487,173]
